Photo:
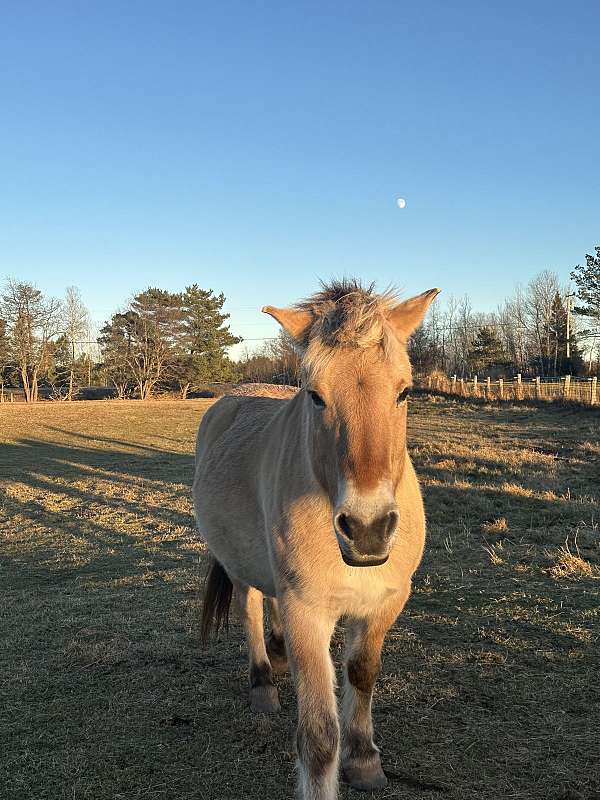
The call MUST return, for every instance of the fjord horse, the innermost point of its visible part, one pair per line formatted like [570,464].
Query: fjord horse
[313,503]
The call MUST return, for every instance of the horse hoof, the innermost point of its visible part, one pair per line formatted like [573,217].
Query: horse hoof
[364,779]
[264,700]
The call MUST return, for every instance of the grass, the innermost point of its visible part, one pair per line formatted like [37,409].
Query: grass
[489,686]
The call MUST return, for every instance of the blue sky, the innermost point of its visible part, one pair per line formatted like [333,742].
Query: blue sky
[255,147]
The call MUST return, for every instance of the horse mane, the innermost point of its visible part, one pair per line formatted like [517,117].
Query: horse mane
[346,314]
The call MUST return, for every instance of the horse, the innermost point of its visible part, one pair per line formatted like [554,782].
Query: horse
[313,503]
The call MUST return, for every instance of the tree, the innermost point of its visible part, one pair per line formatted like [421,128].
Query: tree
[166,338]
[587,279]
[116,344]
[141,342]
[424,351]
[275,362]
[459,324]
[4,355]
[540,315]
[559,362]
[158,329]
[32,322]
[66,370]
[514,331]
[76,326]
[486,353]
[202,354]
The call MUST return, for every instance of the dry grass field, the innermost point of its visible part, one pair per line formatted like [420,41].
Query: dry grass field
[490,684]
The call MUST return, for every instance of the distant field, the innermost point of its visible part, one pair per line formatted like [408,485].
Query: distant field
[490,684]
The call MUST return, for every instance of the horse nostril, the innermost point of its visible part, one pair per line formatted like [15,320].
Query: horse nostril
[344,525]
[391,522]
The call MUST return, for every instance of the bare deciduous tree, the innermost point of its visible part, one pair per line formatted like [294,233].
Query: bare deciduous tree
[32,322]
[76,327]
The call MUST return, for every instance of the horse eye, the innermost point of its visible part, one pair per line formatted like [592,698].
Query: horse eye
[402,396]
[317,399]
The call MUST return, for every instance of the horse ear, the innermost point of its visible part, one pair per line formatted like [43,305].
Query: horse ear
[293,321]
[408,315]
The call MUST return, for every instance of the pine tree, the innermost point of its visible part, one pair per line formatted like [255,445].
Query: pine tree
[143,342]
[556,359]
[165,339]
[116,342]
[587,279]
[204,341]
[486,353]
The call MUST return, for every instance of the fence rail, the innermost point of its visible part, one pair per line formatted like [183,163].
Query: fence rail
[570,389]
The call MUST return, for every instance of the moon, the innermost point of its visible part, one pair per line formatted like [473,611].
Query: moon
[401,202]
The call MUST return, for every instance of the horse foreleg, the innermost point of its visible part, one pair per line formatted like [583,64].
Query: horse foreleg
[361,762]
[276,639]
[263,692]
[308,634]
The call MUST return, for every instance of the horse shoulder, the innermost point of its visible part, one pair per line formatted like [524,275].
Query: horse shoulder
[215,422]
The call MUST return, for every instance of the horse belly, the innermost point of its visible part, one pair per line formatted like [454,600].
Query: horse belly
[228,515]
[240,549]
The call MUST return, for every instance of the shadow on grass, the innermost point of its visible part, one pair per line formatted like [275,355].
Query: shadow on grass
[473,687]
[64,490]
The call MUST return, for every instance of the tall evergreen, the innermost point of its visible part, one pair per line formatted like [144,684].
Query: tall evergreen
[167,339]
[487,353]
[587,278]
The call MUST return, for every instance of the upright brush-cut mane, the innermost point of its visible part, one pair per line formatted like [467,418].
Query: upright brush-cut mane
[345,314]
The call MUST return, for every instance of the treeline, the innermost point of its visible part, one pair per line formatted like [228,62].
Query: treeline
[541,330]
[275,362]
[178,341]
[527,334]
[161,341]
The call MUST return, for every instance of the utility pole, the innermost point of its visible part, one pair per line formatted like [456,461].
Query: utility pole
[569,296]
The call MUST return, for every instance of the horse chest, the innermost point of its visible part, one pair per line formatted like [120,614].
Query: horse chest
[364,593]
[358,592]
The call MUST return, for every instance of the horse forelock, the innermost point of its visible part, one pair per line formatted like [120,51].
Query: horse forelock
[346,314]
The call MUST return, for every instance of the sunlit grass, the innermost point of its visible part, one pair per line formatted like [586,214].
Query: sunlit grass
[489,680]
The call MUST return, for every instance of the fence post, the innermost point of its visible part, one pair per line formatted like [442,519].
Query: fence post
[567,390]
[593,391]
[475,393]
[429,381]
[538,392]
[488,387]
[462,387]
[519,387]
[501,388]
[454,384]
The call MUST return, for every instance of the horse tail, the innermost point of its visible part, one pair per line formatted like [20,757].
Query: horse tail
[217,600]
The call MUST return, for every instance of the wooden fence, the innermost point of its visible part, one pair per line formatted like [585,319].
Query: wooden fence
[578,390]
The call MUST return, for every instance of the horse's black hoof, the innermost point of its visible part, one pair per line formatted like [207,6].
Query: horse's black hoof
[364,778]
[264,699]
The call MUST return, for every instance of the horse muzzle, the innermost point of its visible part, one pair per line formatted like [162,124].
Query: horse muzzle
[365,544]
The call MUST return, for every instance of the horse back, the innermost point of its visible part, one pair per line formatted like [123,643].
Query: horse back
[234,417]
